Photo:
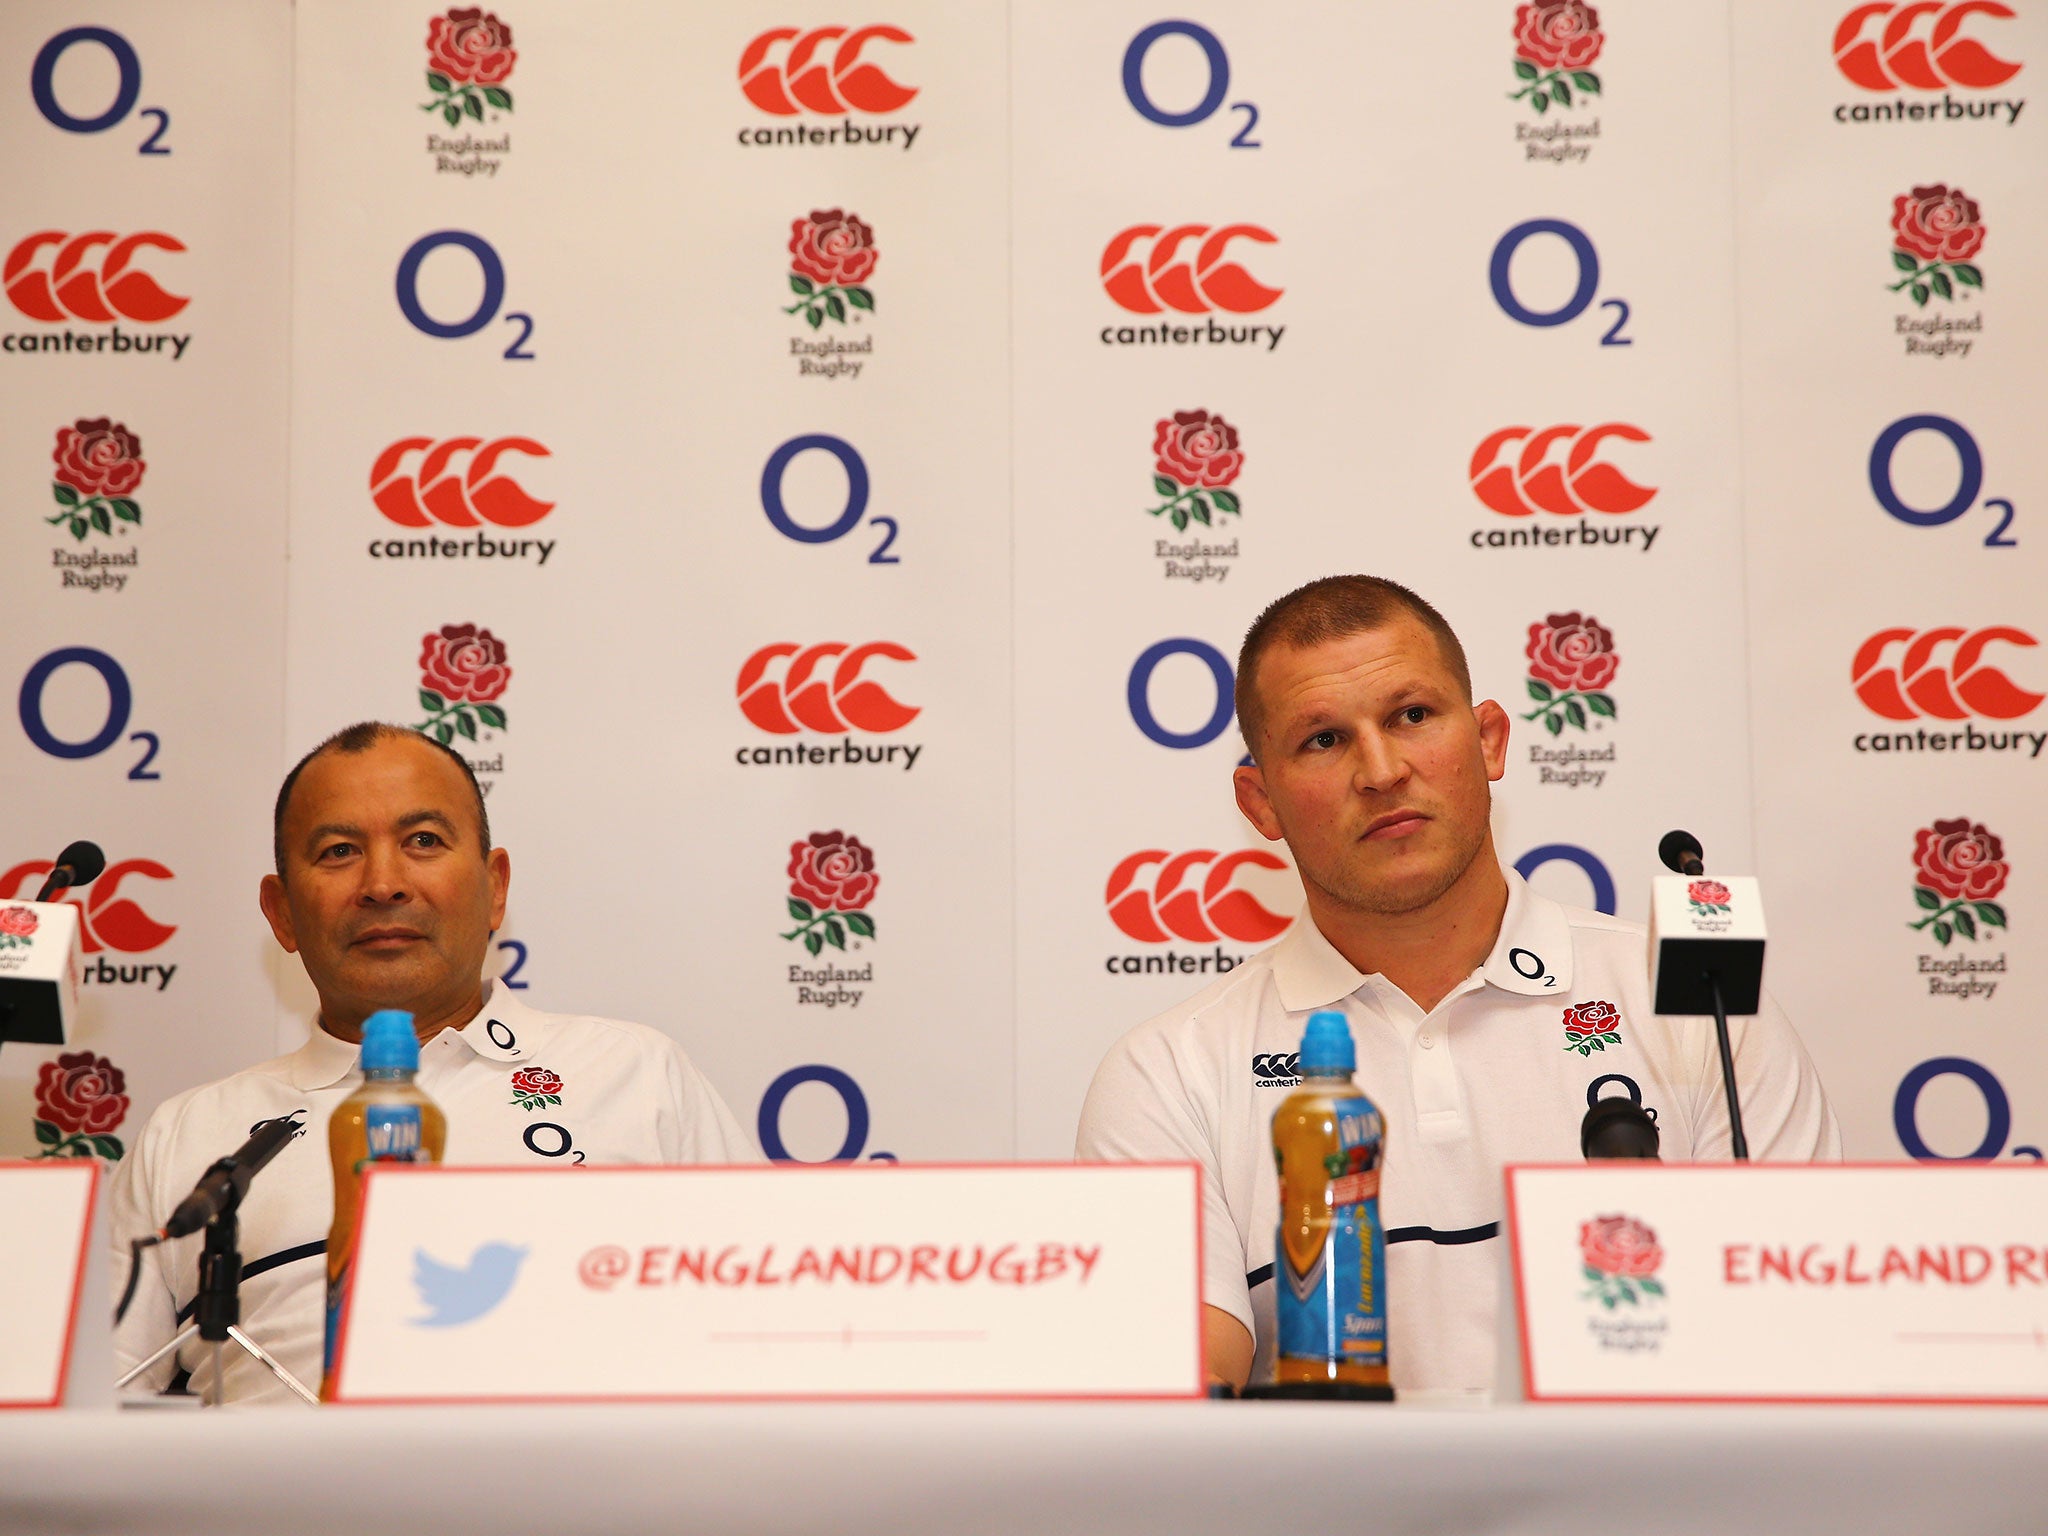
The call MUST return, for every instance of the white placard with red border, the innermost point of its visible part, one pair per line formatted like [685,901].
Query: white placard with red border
[46,1210]
[1782,1283]
[1011,1280]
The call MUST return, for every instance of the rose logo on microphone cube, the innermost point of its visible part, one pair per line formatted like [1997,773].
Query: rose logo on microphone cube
[861,1280]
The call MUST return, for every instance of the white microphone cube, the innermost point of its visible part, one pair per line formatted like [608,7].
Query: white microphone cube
[1703,925]
[39,965]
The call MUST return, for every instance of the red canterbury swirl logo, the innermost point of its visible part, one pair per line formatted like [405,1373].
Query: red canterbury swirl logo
[821,689]
[454,483]
[1517,483]
[1955,689]
[1183,903]
[1897,58]
[82,282]
[1184,269]
[804,78]
[106,919]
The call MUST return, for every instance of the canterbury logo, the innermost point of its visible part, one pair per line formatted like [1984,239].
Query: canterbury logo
[1277,1067]
[1929,679]
[454,483]
[815,74]
[106,918]
[57,277]
[1518,481]
[820,688]
[1149,268]
[1181,901]
[1904,53]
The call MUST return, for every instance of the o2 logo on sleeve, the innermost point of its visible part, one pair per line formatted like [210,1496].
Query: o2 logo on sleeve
[1969,479]
[1585,289]
[852,1147]
[42,85]
[1217,64]
[492,270]
[852,510]
[120,706]
[1138,693]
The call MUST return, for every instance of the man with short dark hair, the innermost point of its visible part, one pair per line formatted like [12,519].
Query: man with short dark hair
[388,889]
[1371,761]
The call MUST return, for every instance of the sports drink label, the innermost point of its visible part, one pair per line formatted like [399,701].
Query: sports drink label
[1336,1307]
[391,1132]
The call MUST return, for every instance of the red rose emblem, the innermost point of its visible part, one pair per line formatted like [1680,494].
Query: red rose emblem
[81,1093]
[1619,1245]
[99,457]
[470,46]
[832,872]
[1569,650]
[1558,34]
[832,247]
[1591,1019]
[536,1080]
[464,664]
[1960,859]
[1708,893]
[1197,449]
[1937,224]
[17,922]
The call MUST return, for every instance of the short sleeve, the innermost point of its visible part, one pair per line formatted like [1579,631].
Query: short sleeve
[699,1128]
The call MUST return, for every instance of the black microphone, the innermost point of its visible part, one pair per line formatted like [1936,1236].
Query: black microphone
[79,864]
[1618,1127]
[224,1184]
[1681,851]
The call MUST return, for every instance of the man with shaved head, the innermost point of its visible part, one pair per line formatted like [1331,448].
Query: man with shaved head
[388,889]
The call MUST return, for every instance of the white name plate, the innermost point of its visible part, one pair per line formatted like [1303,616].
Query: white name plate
[494,1285]
[1868,1283]
[46,1212]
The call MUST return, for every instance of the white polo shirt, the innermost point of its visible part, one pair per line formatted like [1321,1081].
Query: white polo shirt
[1490,1076]
[627,1094]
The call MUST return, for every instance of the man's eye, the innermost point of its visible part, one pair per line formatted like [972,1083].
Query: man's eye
[426,839]
[1322,740]
[335,850]
[1415,714]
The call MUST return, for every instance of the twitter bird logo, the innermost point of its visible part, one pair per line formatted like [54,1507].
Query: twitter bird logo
[454,1296]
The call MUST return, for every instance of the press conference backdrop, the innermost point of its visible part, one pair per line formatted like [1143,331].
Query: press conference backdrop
[818,463]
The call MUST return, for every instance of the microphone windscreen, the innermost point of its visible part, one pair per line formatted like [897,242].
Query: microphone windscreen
[1674,848]
[86,862]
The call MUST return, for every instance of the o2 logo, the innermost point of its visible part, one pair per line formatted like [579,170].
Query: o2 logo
[120,706]
[769,1124]
[1589,863]
[1499,274]
[1138,692]
[1969,479]
[42,85]
[850,514]
[1997,1112]
[517,951]
[487,307]
[1212,97]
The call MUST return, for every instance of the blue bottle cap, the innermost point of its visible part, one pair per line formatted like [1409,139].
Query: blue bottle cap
[389,1043]
[1326,1047]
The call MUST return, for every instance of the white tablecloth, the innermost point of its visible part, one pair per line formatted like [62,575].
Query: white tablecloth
[1232,1469]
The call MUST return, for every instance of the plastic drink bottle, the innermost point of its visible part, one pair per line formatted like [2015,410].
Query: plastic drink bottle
[1330,1257]
[387,1120]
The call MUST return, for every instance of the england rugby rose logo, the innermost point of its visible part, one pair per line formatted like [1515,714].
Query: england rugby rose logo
[1555,41]
[469,58]
[80,1100]
[1935,230]
[831,879]
[99,462]
[17,927]
[1571,661]
[1709,898]
[1958,866]
[462,676]
[533,1087]
[1590,1027]
[1620,1256]
[831,254]
[1195,455]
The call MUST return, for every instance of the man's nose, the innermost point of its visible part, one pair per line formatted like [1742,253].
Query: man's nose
[384,878]
[1379,764]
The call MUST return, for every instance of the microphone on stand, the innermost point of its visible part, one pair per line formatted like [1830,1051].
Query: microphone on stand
[79,864]
[1681,851]
[1707,953]
[223,1185]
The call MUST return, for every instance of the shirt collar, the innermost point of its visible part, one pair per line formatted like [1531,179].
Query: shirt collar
[1532,955]
[503,1030]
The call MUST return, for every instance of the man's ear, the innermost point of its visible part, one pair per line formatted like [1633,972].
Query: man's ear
[1250,783]
[1493,737]
[500,865]
[277,910]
